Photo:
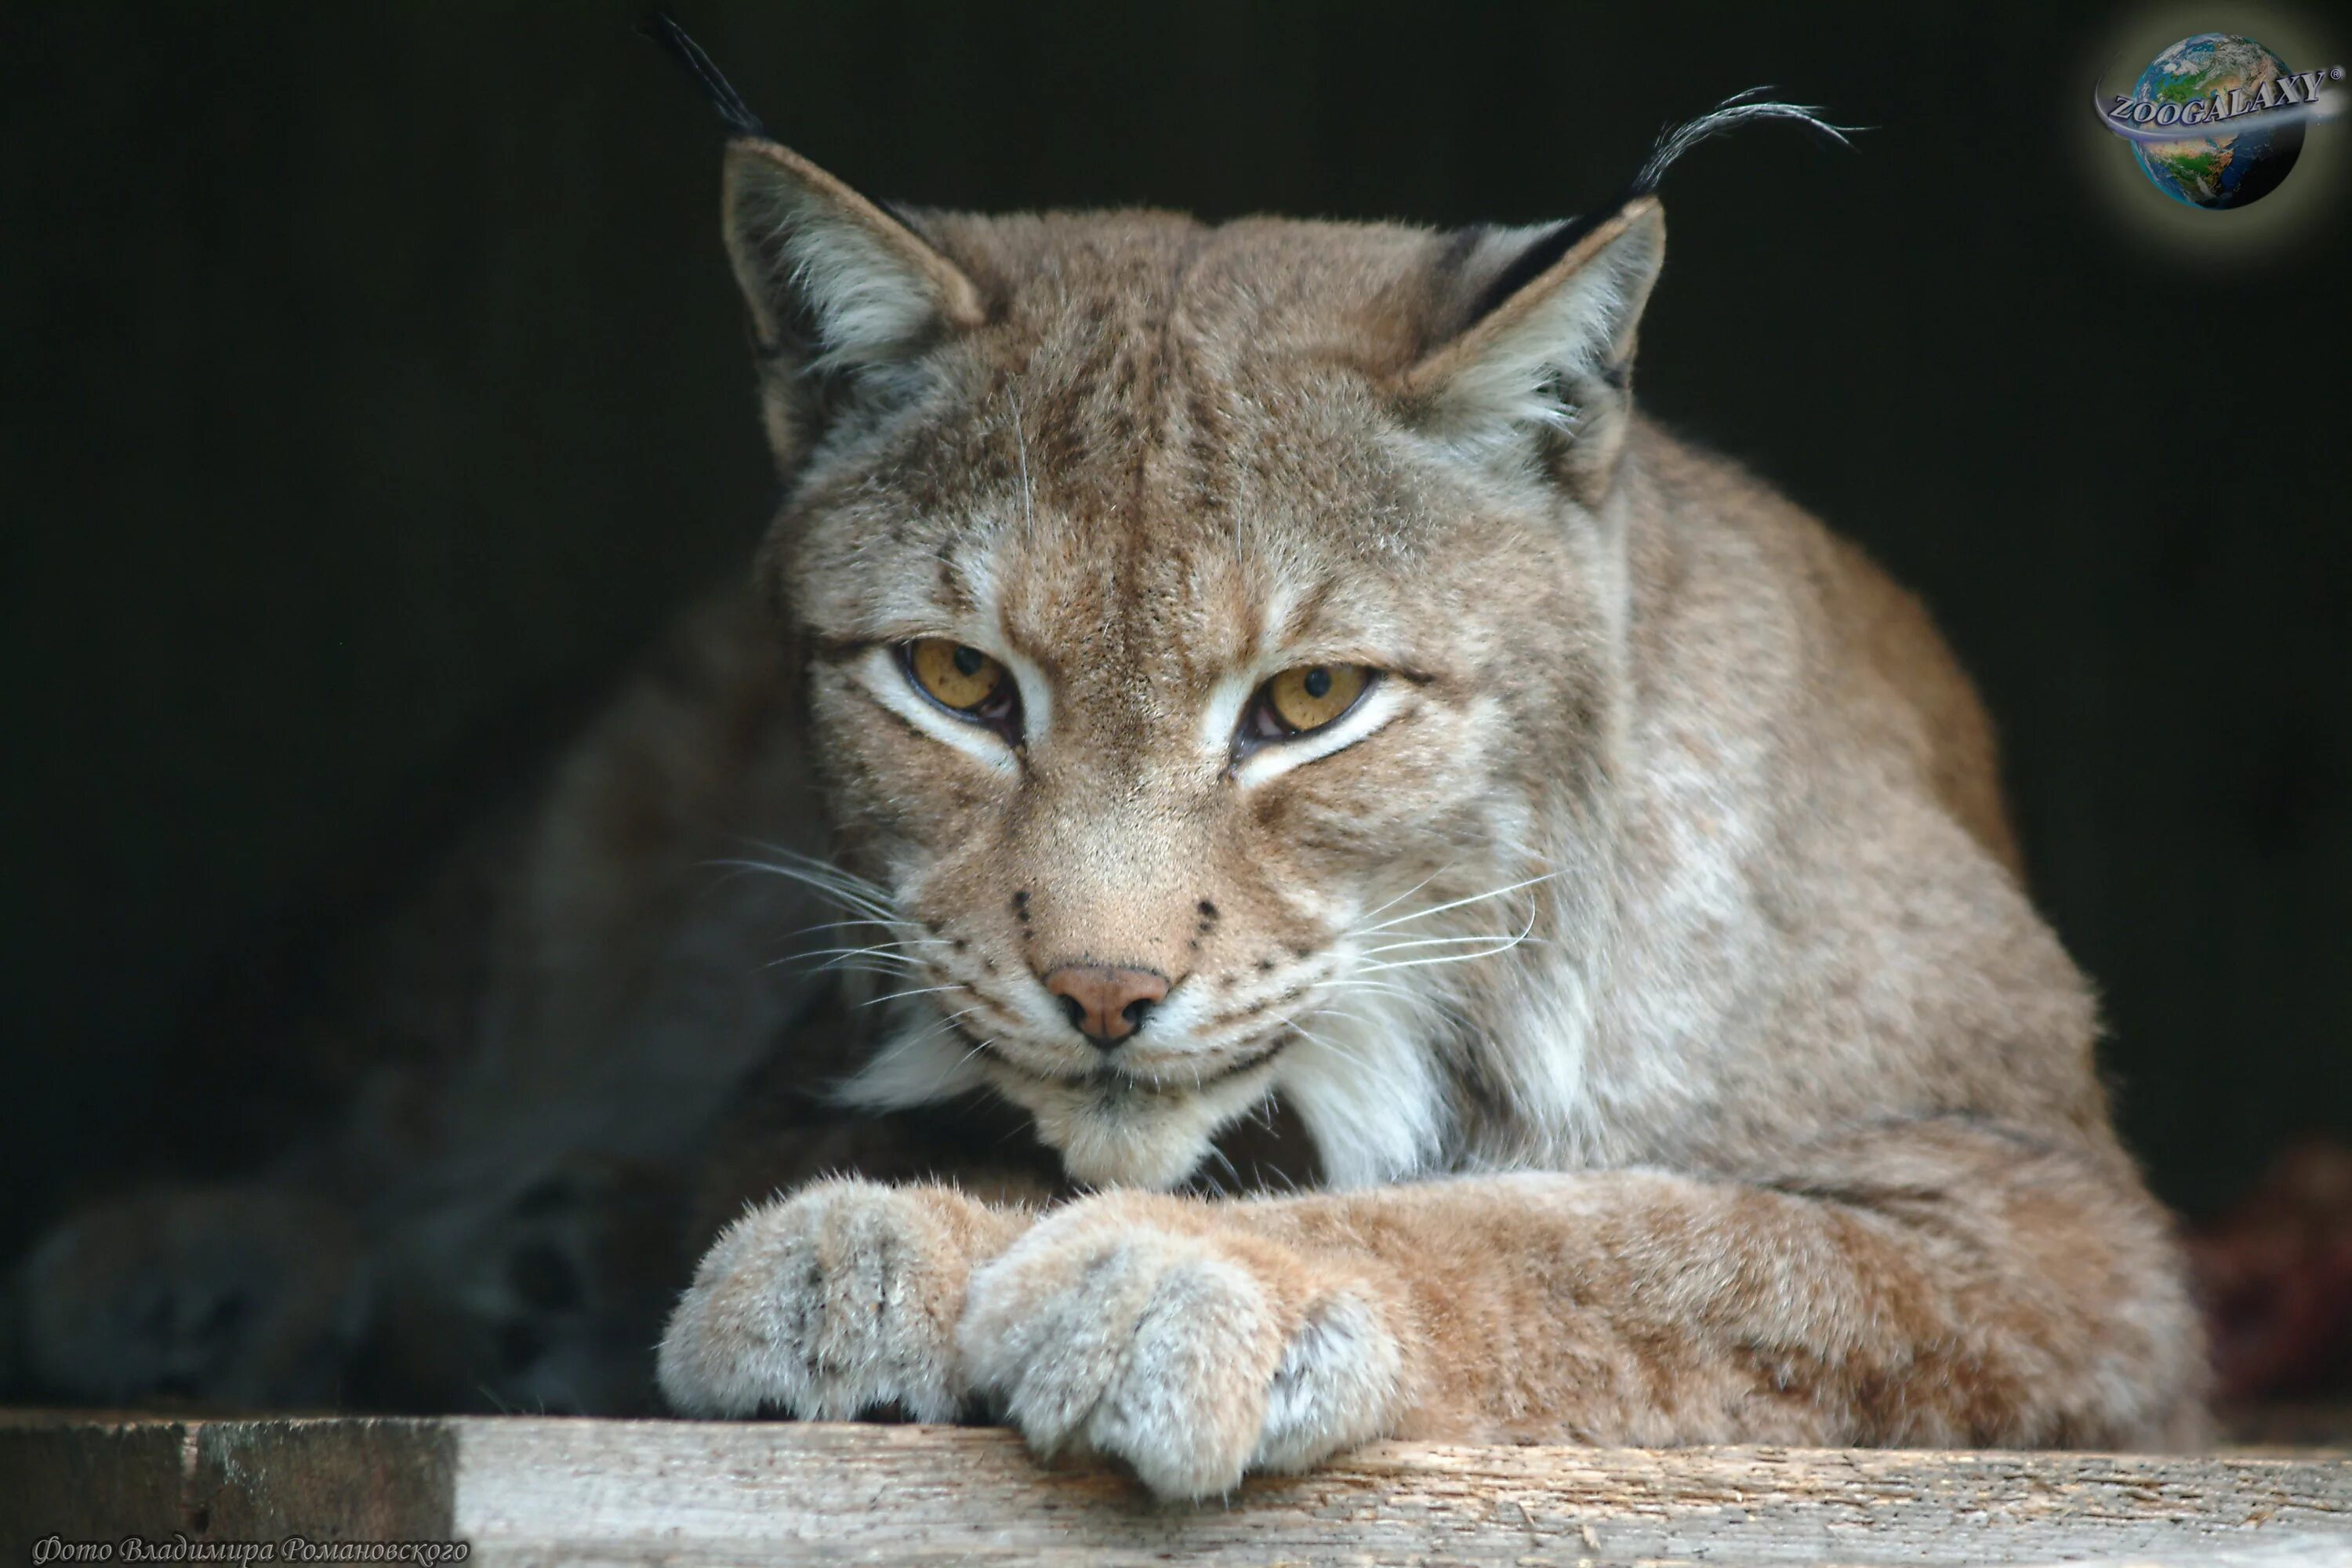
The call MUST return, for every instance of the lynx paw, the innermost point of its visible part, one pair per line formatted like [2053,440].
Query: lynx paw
[1132,1327]
[839,1300]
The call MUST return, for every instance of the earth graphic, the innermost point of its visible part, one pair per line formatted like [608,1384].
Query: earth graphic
[2237,166]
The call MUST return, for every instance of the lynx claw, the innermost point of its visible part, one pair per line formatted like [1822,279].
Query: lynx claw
[835,1302]
[1194,1356]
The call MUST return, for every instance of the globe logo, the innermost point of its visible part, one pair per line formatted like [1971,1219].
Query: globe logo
[2217,121]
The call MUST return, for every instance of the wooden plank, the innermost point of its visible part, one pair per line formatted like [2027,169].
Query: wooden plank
[2297,1551]
[529,1491]
[851,1494]
[348,1479]
[91,1480]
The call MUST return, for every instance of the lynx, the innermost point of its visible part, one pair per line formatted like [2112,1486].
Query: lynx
[1274,659]
[1259,692]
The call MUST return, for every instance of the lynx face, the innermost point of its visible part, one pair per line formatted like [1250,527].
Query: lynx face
[1200,626]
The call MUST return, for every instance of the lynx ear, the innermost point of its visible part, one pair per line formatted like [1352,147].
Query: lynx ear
[1536,365]
[1543,358]
[842,295]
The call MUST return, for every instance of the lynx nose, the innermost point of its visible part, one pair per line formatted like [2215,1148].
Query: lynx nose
[1105,1004]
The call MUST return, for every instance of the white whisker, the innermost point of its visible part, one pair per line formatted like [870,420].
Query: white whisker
[856,961]
[889,953]
[1343,1052]
[915,926]
[917,990]
[1455,904]
[1508,938]
[846,887]
[1400,898]
[1430,963]
[1438,1007]
[850,967]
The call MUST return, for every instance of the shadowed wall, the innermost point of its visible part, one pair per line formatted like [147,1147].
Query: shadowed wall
[372,380]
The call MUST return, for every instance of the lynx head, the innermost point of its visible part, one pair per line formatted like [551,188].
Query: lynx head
[1209,633]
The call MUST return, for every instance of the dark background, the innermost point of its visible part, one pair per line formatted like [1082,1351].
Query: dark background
[370,374]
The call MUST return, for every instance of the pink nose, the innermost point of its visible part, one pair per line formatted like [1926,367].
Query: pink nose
[1105,1004]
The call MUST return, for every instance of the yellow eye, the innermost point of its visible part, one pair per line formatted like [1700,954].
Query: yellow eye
[956,676]
[1313,694]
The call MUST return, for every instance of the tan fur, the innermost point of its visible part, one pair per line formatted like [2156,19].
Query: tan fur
[1800,1090]
[1640,979]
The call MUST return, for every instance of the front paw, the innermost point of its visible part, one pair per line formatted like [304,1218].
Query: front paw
[1136,1326]
[839,1300]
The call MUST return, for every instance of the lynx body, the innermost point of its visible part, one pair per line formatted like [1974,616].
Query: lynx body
[1644,948]
[1246,668]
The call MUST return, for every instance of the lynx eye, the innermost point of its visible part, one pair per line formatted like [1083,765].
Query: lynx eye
[966,681]
[1305,699]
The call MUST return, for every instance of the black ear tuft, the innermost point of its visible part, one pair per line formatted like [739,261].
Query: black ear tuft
[662,29]
[1739,109]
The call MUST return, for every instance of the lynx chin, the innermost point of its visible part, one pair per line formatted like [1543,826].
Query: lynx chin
[1368,891]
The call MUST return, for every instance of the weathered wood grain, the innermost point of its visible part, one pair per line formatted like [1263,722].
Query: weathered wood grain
[88,1480]
[527,1491]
